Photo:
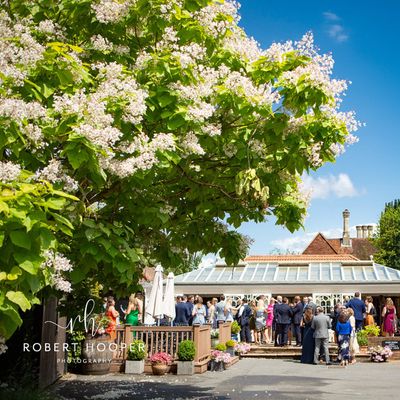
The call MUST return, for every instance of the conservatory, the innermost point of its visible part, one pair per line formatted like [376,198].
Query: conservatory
[327,278]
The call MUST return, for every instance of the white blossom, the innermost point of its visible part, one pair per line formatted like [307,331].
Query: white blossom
[212,129]
[18,56]
[3,346]
[19,110]
[57,264]
[101,43]
[9,171]
[191,145]
[109,11]
[54,173]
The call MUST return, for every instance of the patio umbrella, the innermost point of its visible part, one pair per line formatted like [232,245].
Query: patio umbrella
[169,297]
[155,306]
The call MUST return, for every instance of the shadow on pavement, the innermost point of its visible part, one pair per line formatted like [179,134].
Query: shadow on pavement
[104,390]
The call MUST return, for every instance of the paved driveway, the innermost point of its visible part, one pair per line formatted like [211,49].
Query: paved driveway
[248,379]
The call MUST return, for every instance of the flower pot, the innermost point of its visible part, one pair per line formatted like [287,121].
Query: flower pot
[217,366]
[97,355]
[134,367]
[214,342]
[231,351]
[159,369]
[185,368]
[363,349]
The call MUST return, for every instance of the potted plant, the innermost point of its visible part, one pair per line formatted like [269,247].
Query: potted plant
[362,340]
[235,329]
[220,347]
[242,348]
[219,359]
[97,346]
[380,354]
[214,337]
[159,362]
[137,352]
[230,347]
[186,354]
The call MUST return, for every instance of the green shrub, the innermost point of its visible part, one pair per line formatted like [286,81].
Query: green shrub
[137,351]
[220,347]
[235,327]
[372,330]
[186,350]
[231,343]
[362,338]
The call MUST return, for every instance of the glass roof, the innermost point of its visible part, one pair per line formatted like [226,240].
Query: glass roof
[272,272]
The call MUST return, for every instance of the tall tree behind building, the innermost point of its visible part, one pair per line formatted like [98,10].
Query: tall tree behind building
[388,236]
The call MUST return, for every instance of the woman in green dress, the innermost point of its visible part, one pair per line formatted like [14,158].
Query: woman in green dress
[133,311]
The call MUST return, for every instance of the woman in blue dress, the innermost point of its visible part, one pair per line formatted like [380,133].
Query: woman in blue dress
[308,342]
[199,312]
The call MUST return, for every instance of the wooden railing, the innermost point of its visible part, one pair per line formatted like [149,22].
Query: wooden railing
[164,338]
[224,332]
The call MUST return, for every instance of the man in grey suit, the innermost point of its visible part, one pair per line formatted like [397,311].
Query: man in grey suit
[220,310]
[321,324]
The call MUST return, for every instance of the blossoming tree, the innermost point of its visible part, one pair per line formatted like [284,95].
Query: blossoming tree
[136,131]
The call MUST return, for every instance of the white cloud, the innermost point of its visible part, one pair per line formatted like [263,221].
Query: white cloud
[331,16]
[335,30]
[300,242]
[324,187]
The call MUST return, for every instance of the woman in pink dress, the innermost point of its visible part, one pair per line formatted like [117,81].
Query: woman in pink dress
[389,318]
[270,320]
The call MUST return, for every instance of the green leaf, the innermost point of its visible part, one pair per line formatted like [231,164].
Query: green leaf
[10,320]
[20,299]
[21,239]
[175,122]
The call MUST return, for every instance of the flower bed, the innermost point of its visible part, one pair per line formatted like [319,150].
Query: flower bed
[380,354]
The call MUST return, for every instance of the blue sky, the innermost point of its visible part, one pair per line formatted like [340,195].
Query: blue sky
[364,39]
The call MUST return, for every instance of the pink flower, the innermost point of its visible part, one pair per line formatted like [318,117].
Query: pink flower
[160,358]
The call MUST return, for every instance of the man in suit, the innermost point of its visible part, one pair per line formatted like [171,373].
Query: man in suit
[190,306]
[311,305]
[182,313]
[220,310]
[244,315]
[297,311]
[321,324]
[358,306]
[283,315]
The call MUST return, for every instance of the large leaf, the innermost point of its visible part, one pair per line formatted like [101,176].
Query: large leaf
[20,299]
[21,239]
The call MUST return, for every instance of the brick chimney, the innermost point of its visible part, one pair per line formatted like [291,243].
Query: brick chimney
[346,228]
[359,232]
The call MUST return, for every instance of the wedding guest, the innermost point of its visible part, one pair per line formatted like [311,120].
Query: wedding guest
[211,313]
[354,348]
[139,296]
[182,313]
[199,312]
[297,310]
[311,305]
[389,318]
[358,306]
[190,304]
[252,323]
[133,311]
[282,315]
[308,342]
[321,324]
[228,311]
[244,315]
[112,315]
[220,310]
[260,321]
[343,331]
[270,320]
[305,302]
[370,311]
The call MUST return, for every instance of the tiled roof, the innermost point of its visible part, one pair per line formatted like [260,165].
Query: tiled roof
[361,249]
[301,258]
